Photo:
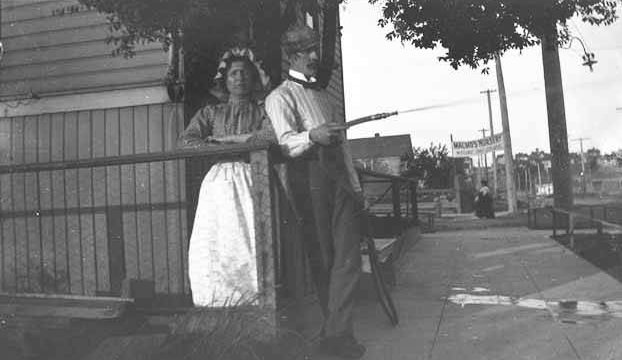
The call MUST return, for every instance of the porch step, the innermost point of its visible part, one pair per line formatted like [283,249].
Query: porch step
[65,306]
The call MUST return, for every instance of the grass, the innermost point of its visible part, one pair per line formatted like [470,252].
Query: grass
[236,332]
[599,250]
[239,332]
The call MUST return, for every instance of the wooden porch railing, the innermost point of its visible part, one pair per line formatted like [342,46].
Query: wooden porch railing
[105,244]
[572,220]
[541,218]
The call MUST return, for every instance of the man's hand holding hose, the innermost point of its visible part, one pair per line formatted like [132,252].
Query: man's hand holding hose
[331,134]
[327,134]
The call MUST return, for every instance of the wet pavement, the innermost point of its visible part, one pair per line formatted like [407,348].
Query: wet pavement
[496,293]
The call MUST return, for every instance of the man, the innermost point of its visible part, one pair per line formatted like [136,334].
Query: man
[325,185]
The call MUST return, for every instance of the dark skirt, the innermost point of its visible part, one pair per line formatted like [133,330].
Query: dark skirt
[484,206]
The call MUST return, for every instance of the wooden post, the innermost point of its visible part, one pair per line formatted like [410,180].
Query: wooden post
[535,218]
[413,202]
[570,228]
[397,210]
[264,237]
[439,206]
[554,223]
[494,155]
[456,176]
[507,141]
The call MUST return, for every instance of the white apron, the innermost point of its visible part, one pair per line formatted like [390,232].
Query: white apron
[221,260]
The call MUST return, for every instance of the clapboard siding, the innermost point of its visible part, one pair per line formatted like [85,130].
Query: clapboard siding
[49,53]
[137,76]
[60,53]
[335,86]
[67,36]
[25,8]
[77,66]
[59,228]
[50,23]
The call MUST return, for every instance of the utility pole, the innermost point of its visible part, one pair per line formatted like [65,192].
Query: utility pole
[492,133]
[507,140]
[483,130]
[583,182]
[558,134]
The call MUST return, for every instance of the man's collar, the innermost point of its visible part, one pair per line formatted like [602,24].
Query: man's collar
[300,76]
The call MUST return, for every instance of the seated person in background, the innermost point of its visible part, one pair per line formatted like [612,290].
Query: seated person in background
[484,203]
[221,256]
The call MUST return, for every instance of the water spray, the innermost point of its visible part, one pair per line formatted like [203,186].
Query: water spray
[385,115]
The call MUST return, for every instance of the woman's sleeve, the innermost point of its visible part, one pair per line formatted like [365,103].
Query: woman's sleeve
[265,132]
[198,130]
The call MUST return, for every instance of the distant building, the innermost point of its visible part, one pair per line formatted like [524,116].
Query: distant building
[612,160]
[382,153]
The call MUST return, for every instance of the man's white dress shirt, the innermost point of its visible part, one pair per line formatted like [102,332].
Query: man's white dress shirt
[295,109]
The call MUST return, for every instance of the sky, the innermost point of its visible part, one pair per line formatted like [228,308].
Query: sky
[382,75]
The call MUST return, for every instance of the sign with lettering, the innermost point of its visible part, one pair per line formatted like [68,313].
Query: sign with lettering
[479,146]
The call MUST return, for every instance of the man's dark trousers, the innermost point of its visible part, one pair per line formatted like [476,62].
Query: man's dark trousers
[332,236]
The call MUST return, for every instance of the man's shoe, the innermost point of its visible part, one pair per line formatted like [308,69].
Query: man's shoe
[342,346]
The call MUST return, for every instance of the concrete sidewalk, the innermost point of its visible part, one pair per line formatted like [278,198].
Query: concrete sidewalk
[513,262]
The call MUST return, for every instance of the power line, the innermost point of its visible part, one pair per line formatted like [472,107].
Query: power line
[580,34]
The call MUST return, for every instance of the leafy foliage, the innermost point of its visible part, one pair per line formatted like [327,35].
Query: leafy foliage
[202,28]
[432,165]
[593,155]
[473,31]
[135,22]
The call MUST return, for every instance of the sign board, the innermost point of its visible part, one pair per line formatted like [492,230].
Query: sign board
[544,189]
[479,146]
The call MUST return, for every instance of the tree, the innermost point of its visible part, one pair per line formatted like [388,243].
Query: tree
[593,156]
[474,31]
[521,165]
[432,165]
[536,160]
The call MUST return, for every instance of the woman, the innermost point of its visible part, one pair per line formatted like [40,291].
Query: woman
[484,203]
[221,258]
